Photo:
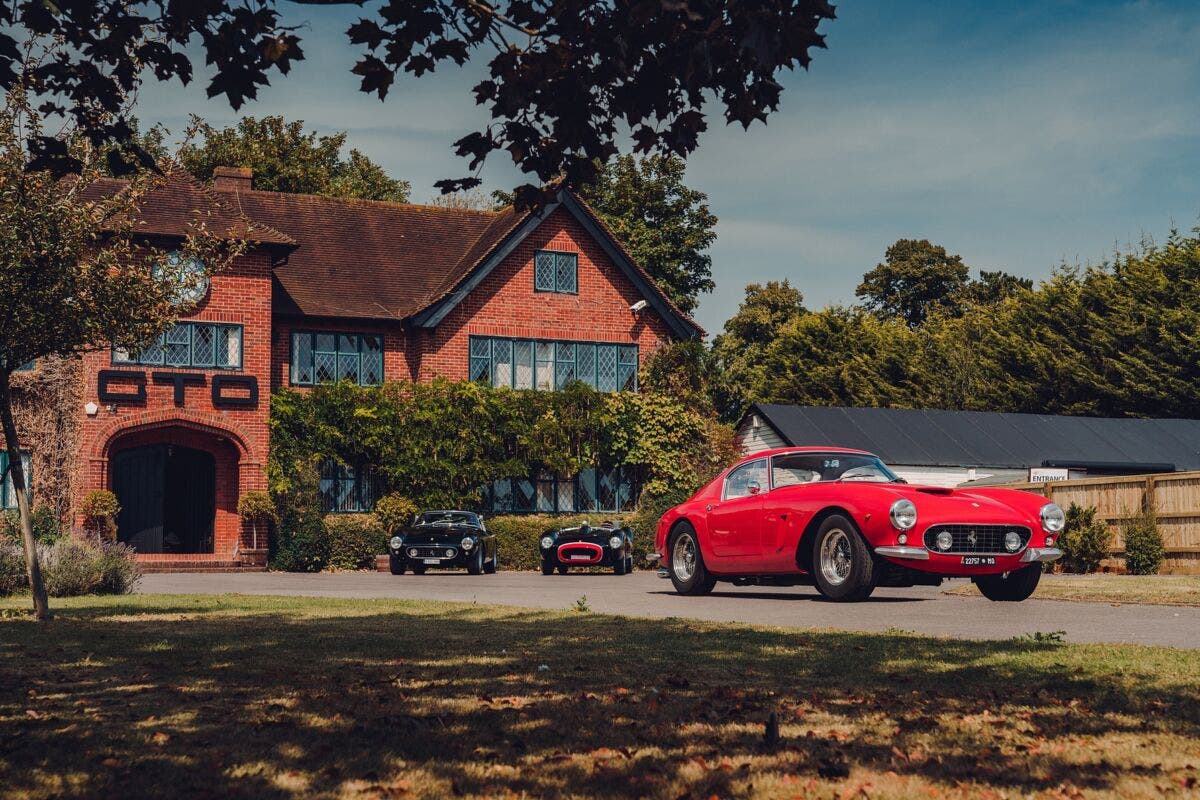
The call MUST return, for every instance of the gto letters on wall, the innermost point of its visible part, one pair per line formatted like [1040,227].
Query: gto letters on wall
[244,388]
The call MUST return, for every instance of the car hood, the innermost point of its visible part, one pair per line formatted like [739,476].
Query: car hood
[935,503]
[430,534]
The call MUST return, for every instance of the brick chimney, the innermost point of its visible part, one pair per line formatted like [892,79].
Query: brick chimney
[232,179]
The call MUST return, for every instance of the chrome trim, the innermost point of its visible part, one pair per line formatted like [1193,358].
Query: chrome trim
[901,551]
[663,572]
[1005,553]
[1042,554]
[652,557]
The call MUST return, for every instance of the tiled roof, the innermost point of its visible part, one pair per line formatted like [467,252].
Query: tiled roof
[180,205]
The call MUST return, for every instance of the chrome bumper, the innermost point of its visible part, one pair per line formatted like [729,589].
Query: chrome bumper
[904,551]
[653,557]
[1042,554]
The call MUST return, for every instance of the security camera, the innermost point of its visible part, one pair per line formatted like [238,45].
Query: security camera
[638,306]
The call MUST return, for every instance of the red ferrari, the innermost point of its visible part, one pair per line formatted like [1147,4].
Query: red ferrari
[840,519]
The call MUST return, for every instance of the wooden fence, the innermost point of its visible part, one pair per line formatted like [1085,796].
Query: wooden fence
[1173,498]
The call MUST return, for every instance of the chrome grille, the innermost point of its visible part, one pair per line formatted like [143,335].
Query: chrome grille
[429,551]
[976,538]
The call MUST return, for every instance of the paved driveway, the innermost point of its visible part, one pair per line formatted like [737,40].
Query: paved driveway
[923,610]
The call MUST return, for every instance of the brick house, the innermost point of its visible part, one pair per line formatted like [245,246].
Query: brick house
[365,291]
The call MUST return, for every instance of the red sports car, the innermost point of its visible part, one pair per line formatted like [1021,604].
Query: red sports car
[840,519]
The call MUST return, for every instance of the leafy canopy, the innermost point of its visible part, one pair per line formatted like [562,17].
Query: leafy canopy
[286,158]
[564,79]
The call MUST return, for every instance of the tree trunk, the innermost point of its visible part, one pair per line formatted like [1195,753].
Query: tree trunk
[16,468]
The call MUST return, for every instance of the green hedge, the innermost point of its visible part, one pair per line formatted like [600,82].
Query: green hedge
[518,536]
[354,540]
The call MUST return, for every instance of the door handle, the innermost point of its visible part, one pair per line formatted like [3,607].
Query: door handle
[711,506]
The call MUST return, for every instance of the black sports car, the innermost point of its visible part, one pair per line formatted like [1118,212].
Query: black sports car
[607,545]
[455,539]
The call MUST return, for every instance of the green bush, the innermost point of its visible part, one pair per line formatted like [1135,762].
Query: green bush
[644,523]
[99,510]
[1143,546]
[394,512]
[354,540]
[46,527]
[73,567]
[1084,540]
[12,567]
[303,544]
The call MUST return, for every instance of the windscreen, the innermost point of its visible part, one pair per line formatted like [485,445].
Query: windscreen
[448,518]
[792,469]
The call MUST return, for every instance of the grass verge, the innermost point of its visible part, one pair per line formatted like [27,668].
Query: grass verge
[1171,590]
[237,696]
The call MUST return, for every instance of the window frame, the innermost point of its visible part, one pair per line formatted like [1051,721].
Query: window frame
[161,343]
[361,482]
[625,356]
[556,288]
[359,336]
[555,486]
[763,488]
[6,487]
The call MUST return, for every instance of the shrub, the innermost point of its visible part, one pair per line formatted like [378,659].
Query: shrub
[303,545]
[517,536]
[644,522]
[12,567]
[80,566]
[394,512]
[1143,545]
[257,509]
[99,510]
[1084,540]
[46,528]
[354,540]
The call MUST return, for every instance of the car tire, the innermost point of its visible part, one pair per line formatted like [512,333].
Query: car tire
[685,562]
[562,570]
[493,563]
[475,565]
[843,566]
[628,565]
[547,568]
[396,565]
[418,569]
[619,568]
[1011,587]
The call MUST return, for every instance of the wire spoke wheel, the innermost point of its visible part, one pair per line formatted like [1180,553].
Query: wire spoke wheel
[683,557]
[836,559]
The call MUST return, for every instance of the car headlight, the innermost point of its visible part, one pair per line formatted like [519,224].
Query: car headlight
[449,552]
[615,542]
[903,514]
[945,540]
[396,542]
[467,543]
[1012,541]
[547,542]
[413,552]
[1053,518]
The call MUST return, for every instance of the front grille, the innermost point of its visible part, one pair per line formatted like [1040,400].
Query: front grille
[986,538]
[429,551]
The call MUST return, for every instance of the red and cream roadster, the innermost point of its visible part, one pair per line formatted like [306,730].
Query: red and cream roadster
[840,519]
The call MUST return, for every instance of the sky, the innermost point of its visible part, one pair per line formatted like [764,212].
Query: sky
[1018,135]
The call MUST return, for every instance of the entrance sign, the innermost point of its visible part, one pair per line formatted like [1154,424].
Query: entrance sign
[1048,474]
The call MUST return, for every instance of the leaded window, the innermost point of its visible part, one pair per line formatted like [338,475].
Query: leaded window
[203,345]
[592,490]
[8,496]
[324,357]
[556,272]
[345,489]
[546,365]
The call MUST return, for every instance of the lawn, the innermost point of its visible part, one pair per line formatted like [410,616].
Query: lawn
[171,696]
[1172,590]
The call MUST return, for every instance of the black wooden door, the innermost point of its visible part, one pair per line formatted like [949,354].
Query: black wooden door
[138,483]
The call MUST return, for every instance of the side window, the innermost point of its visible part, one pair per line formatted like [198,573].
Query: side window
[746,480]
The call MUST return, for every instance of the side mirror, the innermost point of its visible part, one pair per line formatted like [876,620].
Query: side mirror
[753,487]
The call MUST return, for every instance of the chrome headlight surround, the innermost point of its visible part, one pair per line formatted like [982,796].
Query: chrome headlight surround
[547,542]
[1053,518]
[903,514]
[396,543]
[467,543]
[616,542]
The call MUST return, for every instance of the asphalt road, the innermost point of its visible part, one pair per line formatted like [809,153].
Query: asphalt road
[924,610]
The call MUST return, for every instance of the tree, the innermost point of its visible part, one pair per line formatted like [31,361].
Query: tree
[914,277]
[285,158]
[992,287]
[665,225]
[565,78]
[76,275]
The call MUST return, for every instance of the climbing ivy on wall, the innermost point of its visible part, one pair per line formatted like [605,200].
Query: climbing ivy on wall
[439,443]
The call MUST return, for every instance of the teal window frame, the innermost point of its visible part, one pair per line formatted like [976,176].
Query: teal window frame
[346,489]
[556,271]
[181,347]
[28,366]
[551,364]
[8,495]
[600,490]
[345,351]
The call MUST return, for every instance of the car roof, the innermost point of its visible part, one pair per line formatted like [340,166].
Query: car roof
[779,451]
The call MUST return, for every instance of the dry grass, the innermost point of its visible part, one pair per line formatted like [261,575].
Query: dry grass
[1171,590]
[164,696]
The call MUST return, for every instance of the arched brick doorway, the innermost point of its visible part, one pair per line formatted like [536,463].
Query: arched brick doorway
[178,489]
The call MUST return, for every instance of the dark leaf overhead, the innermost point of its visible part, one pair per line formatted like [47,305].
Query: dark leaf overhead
[565,79]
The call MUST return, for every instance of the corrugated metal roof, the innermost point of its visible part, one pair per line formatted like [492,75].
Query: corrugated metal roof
[987,439]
